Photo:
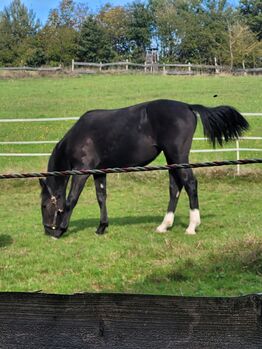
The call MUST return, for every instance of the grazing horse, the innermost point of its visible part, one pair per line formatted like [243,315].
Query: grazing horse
[132,136]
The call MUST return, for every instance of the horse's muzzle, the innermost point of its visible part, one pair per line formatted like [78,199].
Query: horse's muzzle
[56,233]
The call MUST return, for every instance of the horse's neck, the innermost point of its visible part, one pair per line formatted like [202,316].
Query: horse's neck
[57,162]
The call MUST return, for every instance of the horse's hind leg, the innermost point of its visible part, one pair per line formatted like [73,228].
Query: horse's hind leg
[100,184]
[175,187]
[190,184]
[182,178]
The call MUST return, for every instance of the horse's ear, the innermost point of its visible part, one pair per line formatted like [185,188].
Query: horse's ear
[45,187]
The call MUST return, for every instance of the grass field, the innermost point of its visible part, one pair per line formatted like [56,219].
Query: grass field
[224,258]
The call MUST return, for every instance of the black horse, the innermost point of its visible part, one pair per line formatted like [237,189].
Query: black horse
[132,136]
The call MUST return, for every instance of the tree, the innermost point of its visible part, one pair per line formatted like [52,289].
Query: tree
[93,44]
[164,14]
[192,35]
[243,45]
[193,30]
[58,44]
[18,27]
[216,16]
[251,11]
[114,20]
[69,13]
[139,29]
[60,35]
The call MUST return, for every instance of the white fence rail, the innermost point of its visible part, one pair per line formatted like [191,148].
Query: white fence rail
[237,149]
[54,142]
[41,119]
[73,118]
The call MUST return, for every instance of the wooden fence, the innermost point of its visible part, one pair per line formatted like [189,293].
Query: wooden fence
[129,321]
[179,69]
[25,68]
[253,71]
[169,69]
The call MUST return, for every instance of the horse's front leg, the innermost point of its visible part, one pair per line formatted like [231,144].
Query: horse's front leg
[100,184]
[77,185]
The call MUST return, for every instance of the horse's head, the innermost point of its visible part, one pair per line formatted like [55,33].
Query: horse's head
[52,207]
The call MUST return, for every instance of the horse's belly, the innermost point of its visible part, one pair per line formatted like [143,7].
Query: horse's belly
[143,157]
[127,154]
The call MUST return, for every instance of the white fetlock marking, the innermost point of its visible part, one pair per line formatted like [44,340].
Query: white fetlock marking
[167,223]
[194,222]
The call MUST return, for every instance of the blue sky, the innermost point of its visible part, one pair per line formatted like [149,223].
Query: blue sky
[42,7]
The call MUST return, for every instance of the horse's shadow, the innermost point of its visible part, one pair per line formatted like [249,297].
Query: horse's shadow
[77,225]
[81,224]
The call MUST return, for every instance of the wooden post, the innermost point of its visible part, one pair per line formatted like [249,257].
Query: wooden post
[189,67]
[216,66]
[100,66]
[164,69]
[145,68]
[127,65]
[73,64]
[244,67]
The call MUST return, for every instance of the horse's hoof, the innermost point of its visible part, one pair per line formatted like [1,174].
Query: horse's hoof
[100,232]
[101,229]
[161,230]
[190,232]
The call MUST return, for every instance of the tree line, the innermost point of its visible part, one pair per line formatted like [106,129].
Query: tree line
[193,31]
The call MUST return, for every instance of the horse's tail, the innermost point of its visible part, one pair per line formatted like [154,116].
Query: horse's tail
[221,123]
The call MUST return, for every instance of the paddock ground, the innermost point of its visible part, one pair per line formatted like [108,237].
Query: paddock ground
[224,258]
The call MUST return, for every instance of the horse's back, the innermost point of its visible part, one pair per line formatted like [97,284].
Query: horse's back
[129,136]
[162,113]
[120,137]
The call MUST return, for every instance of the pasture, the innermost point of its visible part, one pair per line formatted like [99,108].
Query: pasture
[224,258]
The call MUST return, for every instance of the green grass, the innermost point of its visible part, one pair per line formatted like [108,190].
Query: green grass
[224,258]
[67,96]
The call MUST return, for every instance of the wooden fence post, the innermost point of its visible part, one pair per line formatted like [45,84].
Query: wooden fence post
[189,67]
[100,66]
[73,64]
[127,65]
[216,66]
